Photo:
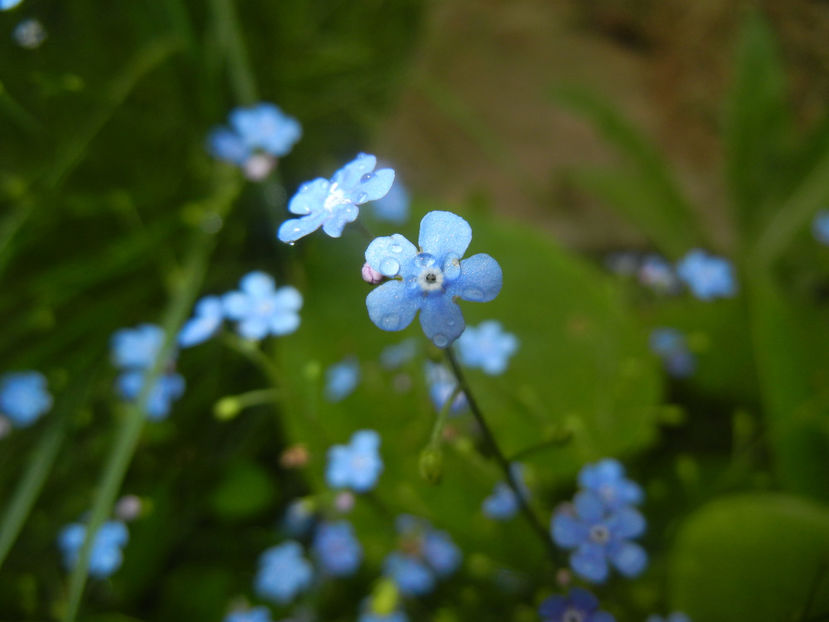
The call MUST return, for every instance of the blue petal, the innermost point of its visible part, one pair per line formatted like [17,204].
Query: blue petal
[552,608]
[226,145]
[589,562]
[342,215]
[350,174]
[295,228]
[589,506]
[254,328]
[257,284]
[629,558]
[372,186]
[602,616]
[284,323]
[337,473]
[288,298]
[568,532]
[480,280]
[626,523]
[582,599]
[387,254]
[442,233]
[236,305]
[390,307]
[309,197]
[442,320]
[365,440]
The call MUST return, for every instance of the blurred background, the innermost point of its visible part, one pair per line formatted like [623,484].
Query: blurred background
[580,139]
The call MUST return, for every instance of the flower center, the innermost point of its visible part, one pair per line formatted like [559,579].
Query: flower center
[336,197]
[430,279]
[599,534]
[572,615]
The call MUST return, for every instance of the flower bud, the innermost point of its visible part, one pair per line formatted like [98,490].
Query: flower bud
[431,464]
[370,275]
[227,408]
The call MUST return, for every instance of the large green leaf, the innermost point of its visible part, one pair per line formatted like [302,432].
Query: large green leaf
[751,557]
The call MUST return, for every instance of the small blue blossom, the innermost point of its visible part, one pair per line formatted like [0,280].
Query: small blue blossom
[224,144]
[397,355]
[706,275]
[427,547]
[168,388]
[394,616]
[487,346]
[257,614]
[29,34]
[502,504]
[24,397]
[820,226]
[136,348]
[260,309]
[331,204]
[299,517]
[5,5]
[441,552]
[356,465]
[670,345]
[341,379]
[337,549]
[411,575]
[105,557]
[676,616]
[578,606]
[265,127]
[658,274]
[207,319]
[607,479]
[598,536]
[442,385]
[428,280]
[283,573]
[394,207]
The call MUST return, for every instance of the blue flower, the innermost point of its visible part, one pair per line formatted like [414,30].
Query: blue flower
[356,465]
[29,34]
[283,572]
[430,279]
[394,616]
[136,348]
[670,345]
[24,397]
[820,226]
[337,549]
[578,606]
[502,504]
[265,127]
[260,309]
[168,388]
[658,274]
[598,536]
[441,553]
[332,204]
[341,379]
[707,276]
[676,616]
[442,385]
[487,346]
[105,557]
[8,4]
[607,479]
[394,207]
[397,355]
[227,145]
[257,614]
[208,317]
[411,575]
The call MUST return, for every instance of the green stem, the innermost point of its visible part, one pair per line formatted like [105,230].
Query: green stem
[230,36]
[503,463]
[443,415]
[253,353]
[541,446]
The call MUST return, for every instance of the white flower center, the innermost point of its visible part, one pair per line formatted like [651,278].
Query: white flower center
[430,280]
[599,534]
[572,615]
[336,197]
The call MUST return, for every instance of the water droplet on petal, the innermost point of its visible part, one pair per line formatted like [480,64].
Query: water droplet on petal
[389,266]
[472,293]
[440,340]
[451,323]
[362,197]
[396,248]
[390,321]
[366,177]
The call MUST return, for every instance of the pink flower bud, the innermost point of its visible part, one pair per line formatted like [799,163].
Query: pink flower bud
[370,275]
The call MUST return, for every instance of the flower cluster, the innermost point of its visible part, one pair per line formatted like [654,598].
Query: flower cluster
[671,346]
[24,397]
[105,557]
[426,555]
[134,351]
[357,465]
[599,524]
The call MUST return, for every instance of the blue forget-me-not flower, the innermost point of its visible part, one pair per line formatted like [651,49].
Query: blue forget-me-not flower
[607,479]
[599,537]
[356,465]
[260,309]
[394,616]
[671,346]
[341,379]
[442,385]
[331,204]
[256,614]
[283,572]
[502,504]
[136,348]
[431,278]
[578,606]
[820,226]
[394,207]
[487,346]
[707,276]
[398,354]
[8,4]
[676,616]
[411,575]
[105,556]
[24,397]
[29,34]
[427,554]
[168,388]
[337,549]
[207,319]
[658,274]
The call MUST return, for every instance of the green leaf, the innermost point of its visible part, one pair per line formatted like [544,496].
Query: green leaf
[751,557]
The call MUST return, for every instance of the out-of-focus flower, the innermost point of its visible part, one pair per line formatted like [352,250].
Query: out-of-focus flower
[658,274]
[5,5]
[670,345]
[331,204]
[260,309]
[167,388]
[820,226]
[256,614]
[442,385]
[397,355]
[29,34]
[341,379]
[607,479]
[207,319]
[412,576]
[394,207]
[578,606]
[502,504]
[299,517]
[487,346]
[24,397]
[707,276]
[136,348]
[356,465]
[676,616]
[337,549]
[430,280]
[128,508]
[426,554]
[283,573]
[105,557]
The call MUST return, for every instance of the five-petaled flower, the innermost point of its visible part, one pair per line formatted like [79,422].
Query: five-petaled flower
[105,556]
[256,614]
[331,204]
[136,347]
[487,346]
[341,379]
[167,388]
[260,309]
[598,535]
[24,397]
[283,572]
[706,275]
[337,549]
[429,279]
[356,465]
[607,479]
[578,606]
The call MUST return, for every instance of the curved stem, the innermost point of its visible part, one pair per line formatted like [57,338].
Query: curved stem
[503,463]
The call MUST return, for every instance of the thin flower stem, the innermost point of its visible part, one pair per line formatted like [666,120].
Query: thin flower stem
[443,415]
[251,351]
[503,463]
[541,446]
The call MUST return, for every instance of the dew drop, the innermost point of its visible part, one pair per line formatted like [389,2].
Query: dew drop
[390,321]
[472,293]
[362,197]
[440,340]
[396,248]
[451,323]
[389,266]
[366,177]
